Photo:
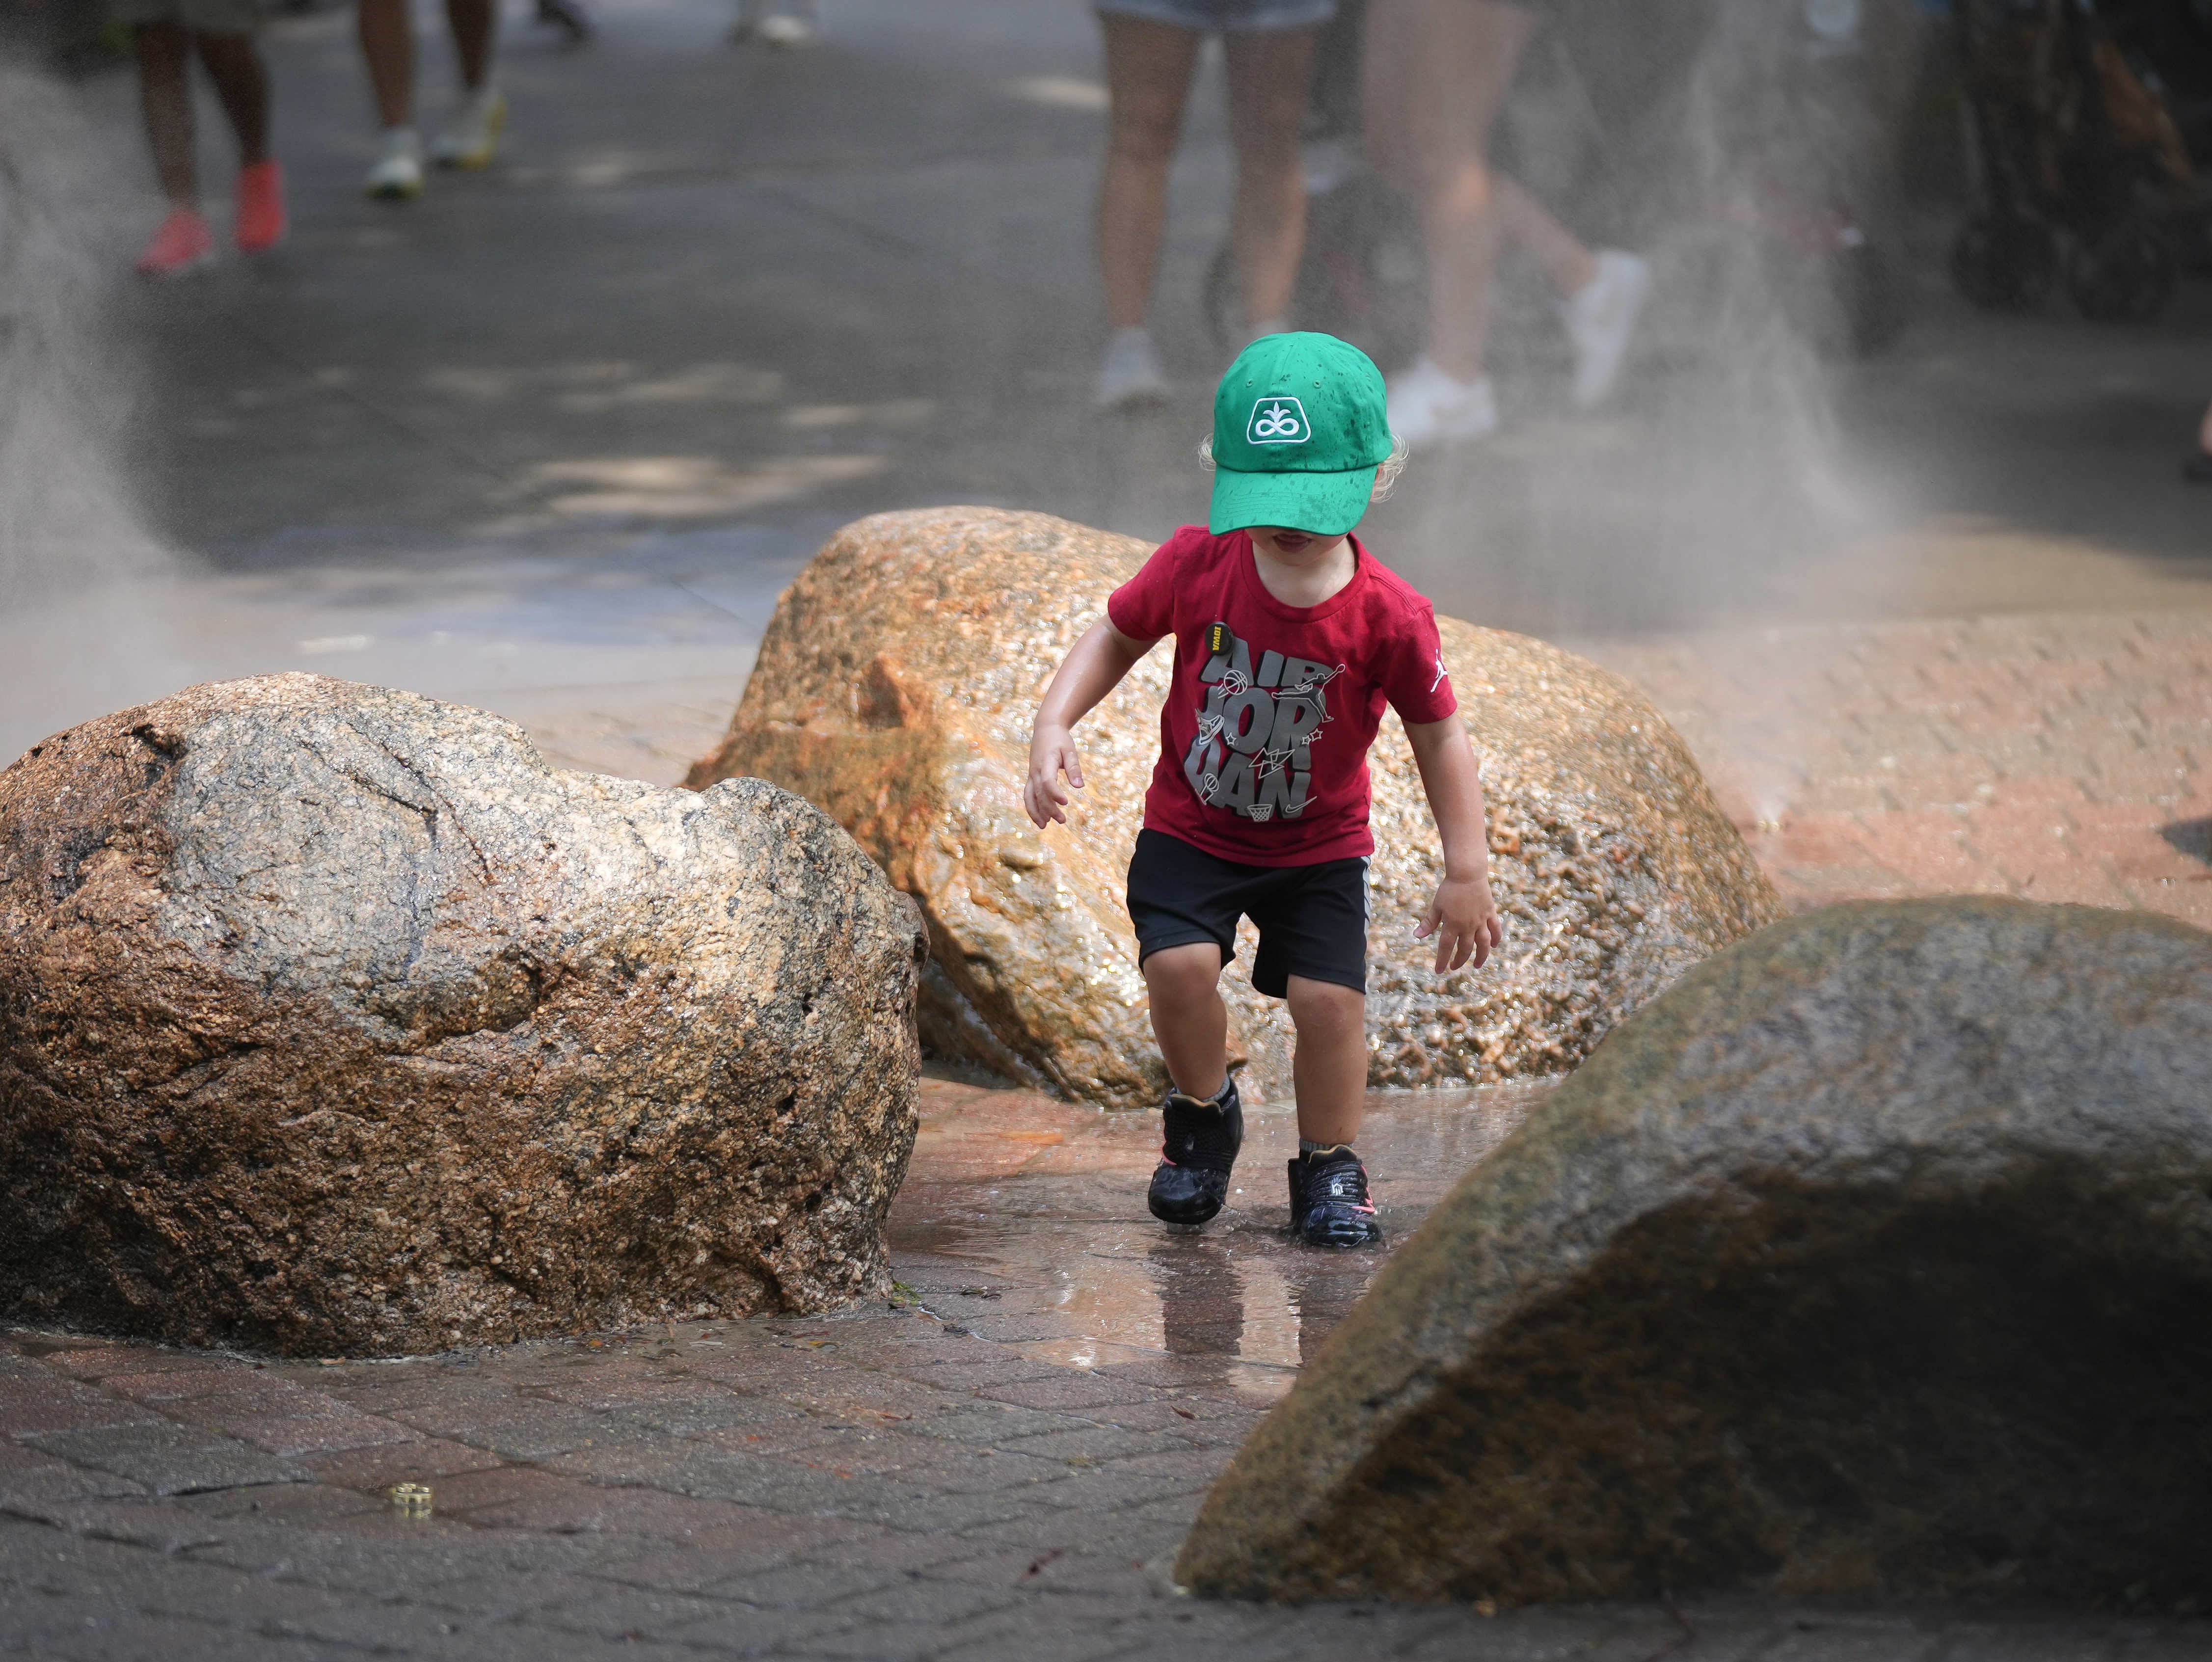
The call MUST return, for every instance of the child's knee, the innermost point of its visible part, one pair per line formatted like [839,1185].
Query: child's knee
[1326,1006]
[1183,972]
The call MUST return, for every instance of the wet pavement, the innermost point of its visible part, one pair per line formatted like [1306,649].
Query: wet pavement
[550,440]
[2050,758]
[998,1461]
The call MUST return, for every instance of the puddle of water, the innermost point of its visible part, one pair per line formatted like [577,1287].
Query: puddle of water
[1023,1219]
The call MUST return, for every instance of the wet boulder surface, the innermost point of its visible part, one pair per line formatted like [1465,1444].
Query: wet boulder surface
[1873,1256]
[896,686]
[333,1020]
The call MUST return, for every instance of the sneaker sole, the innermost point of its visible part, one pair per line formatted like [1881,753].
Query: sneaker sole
[1183,1223]
[472,162]
[1334,1244]
[1152,1205]
[1634,299]
[190,267]
[1142,397]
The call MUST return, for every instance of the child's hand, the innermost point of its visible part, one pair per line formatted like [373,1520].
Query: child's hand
[1052,751]
[1465,921]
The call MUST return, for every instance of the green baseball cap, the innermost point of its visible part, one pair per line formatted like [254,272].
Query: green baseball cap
[1298,431]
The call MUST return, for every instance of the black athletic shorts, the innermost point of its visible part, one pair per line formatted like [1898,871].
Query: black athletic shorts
[1312,920]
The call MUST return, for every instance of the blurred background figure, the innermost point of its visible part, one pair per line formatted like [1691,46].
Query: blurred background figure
[569,16]
[164,36]
[775,22]
[1436,73]
[2197,470]
[470,138]
[1151,49]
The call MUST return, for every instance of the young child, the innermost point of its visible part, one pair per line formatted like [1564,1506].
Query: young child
[1289,639]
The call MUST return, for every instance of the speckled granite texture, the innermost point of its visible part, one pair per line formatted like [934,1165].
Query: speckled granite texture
[895,688]
[333,1020]
[1870,1258]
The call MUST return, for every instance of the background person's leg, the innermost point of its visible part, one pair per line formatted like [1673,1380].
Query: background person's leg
[470,138]
[181,243]
[241,83]
[163,49]
[1148,71]
[1329,1065]
[1270,78]
[1436,73]
[1190,1020]
[387,47]
[475,24]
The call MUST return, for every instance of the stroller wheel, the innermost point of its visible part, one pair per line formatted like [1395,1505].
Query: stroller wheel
[2003,264]
[2124,275]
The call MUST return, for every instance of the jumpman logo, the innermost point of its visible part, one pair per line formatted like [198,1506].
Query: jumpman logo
[1439,681]
[1277,421]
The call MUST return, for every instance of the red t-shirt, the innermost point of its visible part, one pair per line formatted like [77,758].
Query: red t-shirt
[1263,743]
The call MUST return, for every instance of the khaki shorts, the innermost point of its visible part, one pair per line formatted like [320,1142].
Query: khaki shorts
[203,16]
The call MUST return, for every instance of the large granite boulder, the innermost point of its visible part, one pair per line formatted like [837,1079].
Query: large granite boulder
[1874,1255]
[896,686]
[332,1019]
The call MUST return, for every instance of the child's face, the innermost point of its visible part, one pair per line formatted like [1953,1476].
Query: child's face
[1295,548]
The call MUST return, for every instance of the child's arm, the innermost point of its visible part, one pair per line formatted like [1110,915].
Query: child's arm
[1093,669]
[1463,917]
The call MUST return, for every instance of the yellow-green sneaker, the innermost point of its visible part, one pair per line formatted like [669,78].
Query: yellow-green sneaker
[472,139]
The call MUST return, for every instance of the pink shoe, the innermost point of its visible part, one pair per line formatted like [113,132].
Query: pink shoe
[261,221]
[181,246]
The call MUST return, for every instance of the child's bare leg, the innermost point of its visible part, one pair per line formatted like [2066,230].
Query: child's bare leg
[1329,1067]
[1188,1018]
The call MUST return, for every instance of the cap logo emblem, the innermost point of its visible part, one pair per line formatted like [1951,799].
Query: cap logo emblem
[1278,420]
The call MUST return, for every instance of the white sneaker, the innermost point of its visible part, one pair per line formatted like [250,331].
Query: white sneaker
[787,29]
[1600,318]
[786,23]
[472,137]
[1426,406]
[397,174]
[1129,372]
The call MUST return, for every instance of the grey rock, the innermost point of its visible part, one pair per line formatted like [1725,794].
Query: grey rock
[333,1020]
[1876,1254]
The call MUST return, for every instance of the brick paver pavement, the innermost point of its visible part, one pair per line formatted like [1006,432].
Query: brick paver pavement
[996,1463]
[2053,758]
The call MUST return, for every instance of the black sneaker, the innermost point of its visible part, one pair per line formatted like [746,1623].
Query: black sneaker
[1329,1205]
[1197,1151]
